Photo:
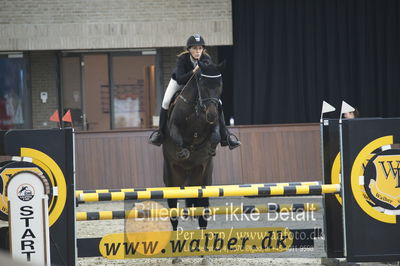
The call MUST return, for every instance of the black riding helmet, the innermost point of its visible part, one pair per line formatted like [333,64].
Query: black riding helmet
[195,40]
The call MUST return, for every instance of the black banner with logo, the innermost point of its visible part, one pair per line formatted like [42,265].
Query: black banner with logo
[52,151]
[371,196]
[333,207]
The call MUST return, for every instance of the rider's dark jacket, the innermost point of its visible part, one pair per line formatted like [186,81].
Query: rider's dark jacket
[184,67]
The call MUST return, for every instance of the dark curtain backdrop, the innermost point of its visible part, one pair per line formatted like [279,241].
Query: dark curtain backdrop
[290,55]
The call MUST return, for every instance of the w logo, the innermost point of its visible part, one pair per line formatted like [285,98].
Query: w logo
[386,186]
[390,171]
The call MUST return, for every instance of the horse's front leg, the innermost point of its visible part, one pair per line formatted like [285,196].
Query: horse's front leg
[214,140]
[172,203]
[177,138]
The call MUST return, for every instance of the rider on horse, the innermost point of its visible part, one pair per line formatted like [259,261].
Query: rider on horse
[187,65]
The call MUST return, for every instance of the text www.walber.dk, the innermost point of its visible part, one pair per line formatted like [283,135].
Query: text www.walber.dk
[196,242]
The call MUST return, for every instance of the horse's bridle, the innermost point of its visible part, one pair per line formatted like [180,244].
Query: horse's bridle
[201,100]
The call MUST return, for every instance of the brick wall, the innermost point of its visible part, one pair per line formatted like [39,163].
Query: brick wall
[43,78]
[101,24]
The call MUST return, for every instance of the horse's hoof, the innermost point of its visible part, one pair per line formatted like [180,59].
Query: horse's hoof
[205,261]
[183,154]
[176,260]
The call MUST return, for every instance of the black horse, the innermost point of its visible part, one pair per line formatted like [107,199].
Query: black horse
[193,135]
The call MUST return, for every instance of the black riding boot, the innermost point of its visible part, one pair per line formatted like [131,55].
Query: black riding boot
[157,137]
[227,138]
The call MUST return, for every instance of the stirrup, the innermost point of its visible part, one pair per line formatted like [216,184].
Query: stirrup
[236,143]
[157,140]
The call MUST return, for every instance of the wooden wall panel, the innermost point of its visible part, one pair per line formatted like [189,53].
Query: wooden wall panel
[271,153]
[280,153]
[228,164]
[117,160]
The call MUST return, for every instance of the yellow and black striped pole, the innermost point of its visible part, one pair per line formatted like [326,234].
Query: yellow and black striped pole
[78,192]
[212,192]
[196,211]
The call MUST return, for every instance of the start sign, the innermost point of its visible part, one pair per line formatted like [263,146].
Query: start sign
[28,219]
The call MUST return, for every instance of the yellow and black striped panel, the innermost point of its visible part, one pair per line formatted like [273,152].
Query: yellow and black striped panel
[212,192]
[78,192]
[196,211]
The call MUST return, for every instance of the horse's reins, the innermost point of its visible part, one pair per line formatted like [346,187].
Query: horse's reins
[187,83]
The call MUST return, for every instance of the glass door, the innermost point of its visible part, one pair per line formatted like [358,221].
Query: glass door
[96,92]
[86,90]
[134,90]
[72,91]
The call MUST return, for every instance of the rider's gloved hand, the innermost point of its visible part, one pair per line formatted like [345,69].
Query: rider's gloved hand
[201,64]
[196,68]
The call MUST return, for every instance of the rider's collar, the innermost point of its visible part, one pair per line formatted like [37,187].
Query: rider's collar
[194,61]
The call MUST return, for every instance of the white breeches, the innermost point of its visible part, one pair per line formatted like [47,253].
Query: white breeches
[173,87]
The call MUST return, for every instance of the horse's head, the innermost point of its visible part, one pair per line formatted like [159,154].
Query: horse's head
[209,82]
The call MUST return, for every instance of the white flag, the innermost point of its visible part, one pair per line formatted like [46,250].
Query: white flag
[326,107]
[346,108]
